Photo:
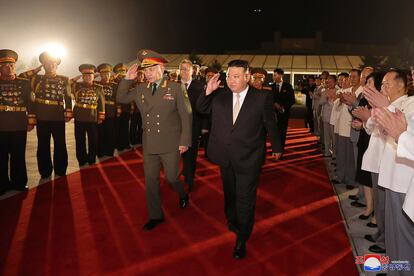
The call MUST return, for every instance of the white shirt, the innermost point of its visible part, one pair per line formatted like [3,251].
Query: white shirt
[280,85]
[344,117]
[372,157]
[242,97]
[405,149]
[188,83]
[395,173]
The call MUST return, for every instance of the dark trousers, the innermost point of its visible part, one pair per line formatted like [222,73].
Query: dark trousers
[240,199]
[123,131]
[309,119]
[135,129]
[13,150]
[106,137]
[46,130]
[190,156]
[81,130]
[282,125]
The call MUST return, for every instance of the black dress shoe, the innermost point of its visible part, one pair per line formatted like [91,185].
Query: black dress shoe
[353,197]
[364,217]
[184,201]
[152,223]
[372,225]
[20,188]
[239,251]
[43,176]
[358,204]
[334,181]
[376,249]
[369,238]
[349,187]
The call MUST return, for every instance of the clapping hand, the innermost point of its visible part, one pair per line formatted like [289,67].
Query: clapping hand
[132,72]
[362,113]
[276,155]
[394,123]
[213,84]
[375,98]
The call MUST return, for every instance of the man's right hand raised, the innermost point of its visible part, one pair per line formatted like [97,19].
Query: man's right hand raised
[132,72]
[213,84]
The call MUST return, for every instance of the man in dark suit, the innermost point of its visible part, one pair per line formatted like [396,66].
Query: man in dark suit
[240,116]
[284,98]
[308,89]
[194,89]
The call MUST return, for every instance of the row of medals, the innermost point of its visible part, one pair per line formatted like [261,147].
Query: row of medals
[54,91]
[10,94]
[87,96]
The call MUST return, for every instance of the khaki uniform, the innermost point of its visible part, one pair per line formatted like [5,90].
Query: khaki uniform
[166,121]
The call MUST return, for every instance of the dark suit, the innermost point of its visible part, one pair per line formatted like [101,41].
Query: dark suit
[285,96]
[195,89]
[309,111]
[239,149]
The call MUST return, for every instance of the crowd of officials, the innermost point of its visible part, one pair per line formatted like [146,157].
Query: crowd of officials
[364,121]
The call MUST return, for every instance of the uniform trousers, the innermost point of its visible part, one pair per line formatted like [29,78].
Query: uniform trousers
[13,152]
[45,130]
[152,164]
[83,130]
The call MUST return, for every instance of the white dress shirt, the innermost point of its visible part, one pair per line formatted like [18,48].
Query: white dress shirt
[344,118]
[372,157]
[405,149]
[242,97]
[395,173]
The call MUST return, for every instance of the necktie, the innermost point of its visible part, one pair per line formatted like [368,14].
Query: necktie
[277,88]
[236,108]
[154,87]
[186,86]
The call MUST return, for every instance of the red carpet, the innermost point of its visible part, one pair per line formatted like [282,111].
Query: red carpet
[89,223]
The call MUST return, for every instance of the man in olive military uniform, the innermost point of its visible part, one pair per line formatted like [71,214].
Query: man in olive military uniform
[166,113]
[52,107]
[120,70]
[106,130]
[16,118]
[258,79]
[135,128]
[89,111]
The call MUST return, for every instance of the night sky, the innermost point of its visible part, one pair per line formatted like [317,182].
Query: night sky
[111,31]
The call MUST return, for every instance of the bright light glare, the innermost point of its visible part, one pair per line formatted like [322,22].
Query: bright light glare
[55,49]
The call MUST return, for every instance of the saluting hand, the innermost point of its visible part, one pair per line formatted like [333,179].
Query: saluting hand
[182,149]
[213,84]
[132,72]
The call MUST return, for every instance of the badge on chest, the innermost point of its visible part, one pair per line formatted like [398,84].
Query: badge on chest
[168,96]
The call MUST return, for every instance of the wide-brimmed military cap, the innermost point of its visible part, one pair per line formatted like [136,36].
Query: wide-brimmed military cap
[48,57]
[211,70]
[259,72]
[149,58]
[87,69]
[104,68]
[8,56]
[120,67]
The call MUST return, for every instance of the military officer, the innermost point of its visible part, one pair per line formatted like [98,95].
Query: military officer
[16,118]
[135,128]
[52,107]
[258,79]
[123,121]
[106,133]
[89,111]
[166,113]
